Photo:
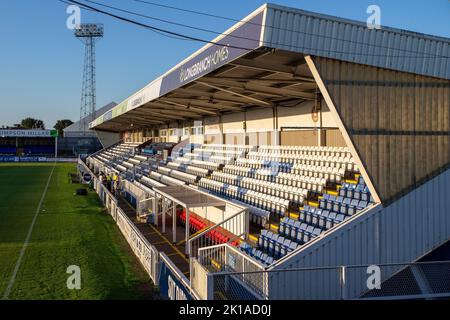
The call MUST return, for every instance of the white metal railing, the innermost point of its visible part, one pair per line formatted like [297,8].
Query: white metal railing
[224,258]
[145,252]
[395,281]
[236,225]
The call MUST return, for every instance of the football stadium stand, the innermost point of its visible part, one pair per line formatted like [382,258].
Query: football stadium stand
[22,144]
[285,165]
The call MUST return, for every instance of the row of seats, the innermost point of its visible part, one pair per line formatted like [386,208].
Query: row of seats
[197,225]
[211,152]
[237,147]
[209,158]
[295,194]
[347,206]
[257,254]
[294,149]
[328,161]
[323,219]
[271,203]
[300,153]
[165,179]
[273,173]
[275,245]
[201,172]
[298,231]
[150,182]
[199,163]
[309,182]
[186,177]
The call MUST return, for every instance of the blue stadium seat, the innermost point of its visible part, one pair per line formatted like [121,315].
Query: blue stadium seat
[269,260]
[362,204]
[323,218]
[349,194]
[263,257]
[351,210]
[365,196]
[323,204]
[293,246]
[336,207]
[339,218]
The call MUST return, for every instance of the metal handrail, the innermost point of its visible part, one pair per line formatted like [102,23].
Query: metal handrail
[243,211]
[398,264]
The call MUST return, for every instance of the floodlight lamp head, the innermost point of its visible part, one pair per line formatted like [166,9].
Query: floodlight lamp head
[89,30]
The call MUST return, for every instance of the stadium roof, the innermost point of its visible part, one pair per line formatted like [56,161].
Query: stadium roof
[260,62]
[79,125]
[189,197]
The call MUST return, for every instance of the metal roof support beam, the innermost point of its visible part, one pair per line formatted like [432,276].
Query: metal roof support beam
[207,104]
[293,79]
[258,65]
[254,100]
[141,120]
[189,107]
[158,114]
[213,95]
[162,105]
[260,89]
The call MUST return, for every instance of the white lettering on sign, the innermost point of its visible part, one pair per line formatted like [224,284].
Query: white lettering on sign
[205,64]
[25,133]
[174,291]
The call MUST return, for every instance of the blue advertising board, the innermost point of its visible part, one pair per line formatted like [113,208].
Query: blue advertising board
[170,285]
[9,159]
[22,159]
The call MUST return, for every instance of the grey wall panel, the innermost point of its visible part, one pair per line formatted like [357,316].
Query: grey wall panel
[399,122]
[400,233]
[347,40]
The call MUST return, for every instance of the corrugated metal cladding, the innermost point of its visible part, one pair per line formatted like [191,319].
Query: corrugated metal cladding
[402,232]
[399,122]
[332,37]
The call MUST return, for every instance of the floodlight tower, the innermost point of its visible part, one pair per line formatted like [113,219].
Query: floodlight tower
[88,33]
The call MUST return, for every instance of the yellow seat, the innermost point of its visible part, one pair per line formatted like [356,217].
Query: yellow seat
[253,238]
[216,265]
[333,193]
[294,216]
[313,204]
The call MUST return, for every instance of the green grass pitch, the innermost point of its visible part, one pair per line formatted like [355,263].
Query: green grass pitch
[69,230]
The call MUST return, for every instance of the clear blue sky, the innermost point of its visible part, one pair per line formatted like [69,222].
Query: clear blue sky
[41,61]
